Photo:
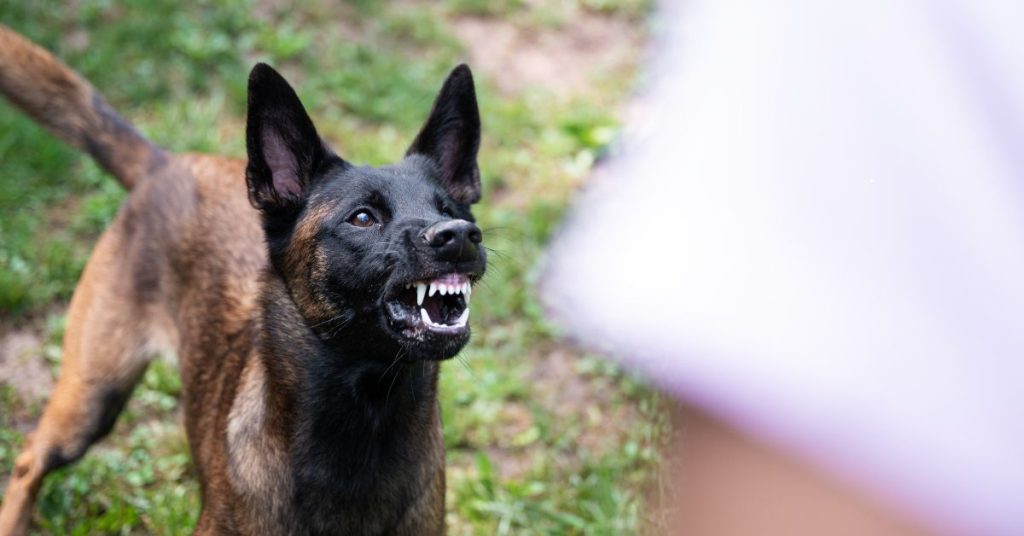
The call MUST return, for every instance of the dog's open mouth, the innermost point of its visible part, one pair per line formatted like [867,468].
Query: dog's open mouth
[439,305]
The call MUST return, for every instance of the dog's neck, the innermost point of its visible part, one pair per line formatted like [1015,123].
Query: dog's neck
[352,424]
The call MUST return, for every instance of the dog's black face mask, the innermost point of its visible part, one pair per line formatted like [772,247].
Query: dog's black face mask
[379,260]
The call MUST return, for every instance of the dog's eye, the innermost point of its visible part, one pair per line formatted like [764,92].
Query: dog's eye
[447,212]
[362,219]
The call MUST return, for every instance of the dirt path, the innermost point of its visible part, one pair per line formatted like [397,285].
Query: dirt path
[564,59]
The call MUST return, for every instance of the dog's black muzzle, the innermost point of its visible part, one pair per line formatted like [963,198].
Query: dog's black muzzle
[428,303]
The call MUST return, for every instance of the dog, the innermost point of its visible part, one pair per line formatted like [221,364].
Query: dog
[310,311]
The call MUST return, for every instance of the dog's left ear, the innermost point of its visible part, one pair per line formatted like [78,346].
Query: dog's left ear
[284,149]
[451,136]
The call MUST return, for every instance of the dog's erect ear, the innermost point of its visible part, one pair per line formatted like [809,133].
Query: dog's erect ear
[451,136]
[284,148]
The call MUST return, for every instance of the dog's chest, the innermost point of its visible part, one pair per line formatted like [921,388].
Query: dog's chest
[271,494]
[256,464]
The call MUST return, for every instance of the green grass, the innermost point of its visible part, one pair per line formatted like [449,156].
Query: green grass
[526,454]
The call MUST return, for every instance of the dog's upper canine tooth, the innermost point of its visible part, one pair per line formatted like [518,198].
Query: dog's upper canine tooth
[421,291]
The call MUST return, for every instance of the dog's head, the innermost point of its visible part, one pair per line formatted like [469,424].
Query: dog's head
[384,257]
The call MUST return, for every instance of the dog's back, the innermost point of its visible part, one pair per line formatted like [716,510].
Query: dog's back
[186,212]
[185,240]
[176,271]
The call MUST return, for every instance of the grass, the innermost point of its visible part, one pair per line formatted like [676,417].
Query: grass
[541,439]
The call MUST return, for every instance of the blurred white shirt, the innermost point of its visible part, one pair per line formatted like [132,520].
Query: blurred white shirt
[818,235]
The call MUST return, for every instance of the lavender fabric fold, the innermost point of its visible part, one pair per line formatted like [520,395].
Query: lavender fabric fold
[816,232]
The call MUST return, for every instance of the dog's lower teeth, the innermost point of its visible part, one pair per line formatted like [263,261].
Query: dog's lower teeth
[459,322]
[445,301]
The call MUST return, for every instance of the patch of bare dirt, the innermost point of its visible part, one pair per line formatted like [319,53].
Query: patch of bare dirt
[509,464]
[573,397]
[24,371]
[564,59]
[572,394]
[22,366]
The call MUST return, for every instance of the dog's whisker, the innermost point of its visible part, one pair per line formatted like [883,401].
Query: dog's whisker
[483,282]
[398,356]
[500,254]
[388,396]
[412,387]
[332,319]
[334,332]
[467,367]
[500,232]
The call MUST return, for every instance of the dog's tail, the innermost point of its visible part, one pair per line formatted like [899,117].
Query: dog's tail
[69,107]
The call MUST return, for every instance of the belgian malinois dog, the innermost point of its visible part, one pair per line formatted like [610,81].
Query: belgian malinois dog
[309,316]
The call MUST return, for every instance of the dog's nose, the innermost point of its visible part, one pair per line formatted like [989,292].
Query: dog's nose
[454,240]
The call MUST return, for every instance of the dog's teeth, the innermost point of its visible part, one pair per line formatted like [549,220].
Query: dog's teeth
[463,318]
[425,317]
[433,289]
[469,293]
[465,289]
[421,291]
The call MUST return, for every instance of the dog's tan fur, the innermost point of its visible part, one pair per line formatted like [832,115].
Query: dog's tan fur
[179,269]
[68,106]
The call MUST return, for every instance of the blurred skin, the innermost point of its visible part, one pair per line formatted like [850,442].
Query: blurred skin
[726,484]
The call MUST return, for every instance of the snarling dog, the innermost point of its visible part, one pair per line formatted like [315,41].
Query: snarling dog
[309,300]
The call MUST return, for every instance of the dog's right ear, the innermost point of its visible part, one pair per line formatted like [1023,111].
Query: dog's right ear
[284,149]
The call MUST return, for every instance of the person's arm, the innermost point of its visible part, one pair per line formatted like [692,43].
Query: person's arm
[722,483]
